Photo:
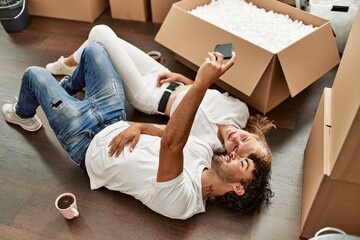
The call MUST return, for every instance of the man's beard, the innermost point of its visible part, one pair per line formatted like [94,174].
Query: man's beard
[223,170]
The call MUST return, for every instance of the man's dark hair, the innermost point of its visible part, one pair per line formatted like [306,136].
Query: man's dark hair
[257,190]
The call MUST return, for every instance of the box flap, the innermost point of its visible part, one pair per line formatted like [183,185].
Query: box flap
[297,60]
[318,47]
[182,39]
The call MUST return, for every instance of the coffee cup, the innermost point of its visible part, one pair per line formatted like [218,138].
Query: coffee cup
[157,56]
[66,204]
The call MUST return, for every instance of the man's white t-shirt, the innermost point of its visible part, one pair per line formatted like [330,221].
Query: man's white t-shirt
[215,108]
[134,173]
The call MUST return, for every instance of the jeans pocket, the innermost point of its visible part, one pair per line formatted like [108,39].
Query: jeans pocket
[76,145]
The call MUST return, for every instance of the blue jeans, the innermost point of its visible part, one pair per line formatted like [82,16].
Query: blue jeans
[75,122]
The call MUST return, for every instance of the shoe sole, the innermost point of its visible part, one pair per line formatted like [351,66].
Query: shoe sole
[29,129]
[36,126]
[58,72]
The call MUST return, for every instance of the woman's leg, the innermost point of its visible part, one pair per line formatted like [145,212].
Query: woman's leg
[107,37]
[70,61]
[129,61]
[137,70]
[76,56]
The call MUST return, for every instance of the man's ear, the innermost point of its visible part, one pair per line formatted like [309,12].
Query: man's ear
[238,189]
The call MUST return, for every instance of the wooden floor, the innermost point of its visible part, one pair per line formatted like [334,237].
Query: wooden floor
[34,169]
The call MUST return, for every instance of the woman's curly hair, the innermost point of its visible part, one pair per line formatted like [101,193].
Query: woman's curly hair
[257,190]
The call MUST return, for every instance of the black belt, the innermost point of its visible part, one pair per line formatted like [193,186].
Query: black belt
[165,97]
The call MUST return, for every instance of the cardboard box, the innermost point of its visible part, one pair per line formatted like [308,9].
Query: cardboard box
[260,78]
[336,204]
[340,13]
[345,138]
[331,189]
[137,10]
[159,9]
[326,201]
[315,159]
[78,10]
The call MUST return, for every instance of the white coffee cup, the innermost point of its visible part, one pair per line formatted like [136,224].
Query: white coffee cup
[66,204]
[157,56]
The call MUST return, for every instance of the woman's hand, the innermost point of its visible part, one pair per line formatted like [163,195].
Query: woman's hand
[166,77]
[172,77]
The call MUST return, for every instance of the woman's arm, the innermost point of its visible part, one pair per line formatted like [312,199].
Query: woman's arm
[183,79]
[172,77]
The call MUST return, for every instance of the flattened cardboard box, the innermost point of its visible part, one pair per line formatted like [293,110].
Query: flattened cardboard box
[326,201]
[159,9]
[137,10]
[78,10]
[259,77]
[345,138]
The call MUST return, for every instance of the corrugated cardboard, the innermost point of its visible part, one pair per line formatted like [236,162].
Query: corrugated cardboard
[137,10]
[331,189]
[345,139]
[316,156]
[337,205]
[326,201]
[159,9]
[260,78]
[78,10]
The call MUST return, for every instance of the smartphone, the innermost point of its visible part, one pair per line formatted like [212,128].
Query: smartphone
[225,49]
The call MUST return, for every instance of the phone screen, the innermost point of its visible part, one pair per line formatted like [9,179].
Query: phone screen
[225,49]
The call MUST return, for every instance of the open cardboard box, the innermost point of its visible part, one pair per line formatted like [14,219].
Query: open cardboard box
[259,77]
[345,139]
[137,10]
[326,201]
[78,10]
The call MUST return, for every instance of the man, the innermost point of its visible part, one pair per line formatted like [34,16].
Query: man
[172,175]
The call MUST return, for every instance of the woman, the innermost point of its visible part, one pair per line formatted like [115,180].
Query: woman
[221,120]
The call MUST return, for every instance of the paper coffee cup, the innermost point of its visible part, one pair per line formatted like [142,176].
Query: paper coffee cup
[66,204]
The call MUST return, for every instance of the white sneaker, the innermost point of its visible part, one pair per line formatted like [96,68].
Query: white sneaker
[29,124]
[59,67]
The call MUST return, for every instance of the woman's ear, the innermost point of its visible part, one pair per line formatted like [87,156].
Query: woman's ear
[238,189]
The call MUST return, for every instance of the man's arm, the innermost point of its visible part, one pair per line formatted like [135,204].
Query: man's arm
[132,135]
[178,128]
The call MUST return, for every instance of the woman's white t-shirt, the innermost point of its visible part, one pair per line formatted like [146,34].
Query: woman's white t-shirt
[134,173]
[215,108]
